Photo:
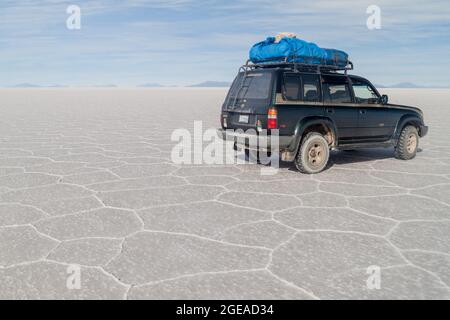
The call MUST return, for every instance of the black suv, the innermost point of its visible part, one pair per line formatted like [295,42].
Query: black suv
[315,109]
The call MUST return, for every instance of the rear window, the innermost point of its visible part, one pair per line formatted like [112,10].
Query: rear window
[291,88]
[303,87]
[254,86]
[311,88]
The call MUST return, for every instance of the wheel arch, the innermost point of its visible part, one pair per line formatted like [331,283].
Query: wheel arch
[408,119]
[322,125]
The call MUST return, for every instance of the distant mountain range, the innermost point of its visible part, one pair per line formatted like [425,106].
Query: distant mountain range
[205,84]
[211,84]
[151,85]
[31,85]
[105,86]
[409,85]
[214,84]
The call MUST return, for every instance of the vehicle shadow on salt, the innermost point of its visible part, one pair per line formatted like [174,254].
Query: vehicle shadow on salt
[340,157]
[351,157]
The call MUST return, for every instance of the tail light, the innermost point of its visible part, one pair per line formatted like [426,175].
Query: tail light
[272,118]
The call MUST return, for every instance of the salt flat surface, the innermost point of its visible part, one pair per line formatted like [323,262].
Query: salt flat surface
[86,179]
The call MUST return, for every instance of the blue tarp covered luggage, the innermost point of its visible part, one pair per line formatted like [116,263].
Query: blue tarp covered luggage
[296,50]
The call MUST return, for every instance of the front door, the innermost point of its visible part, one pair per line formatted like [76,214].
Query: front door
[374,122]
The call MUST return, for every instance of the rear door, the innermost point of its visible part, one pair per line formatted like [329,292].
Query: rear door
[339,106]
[299,98]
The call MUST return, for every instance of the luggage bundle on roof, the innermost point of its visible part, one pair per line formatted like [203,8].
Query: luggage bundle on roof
[285,47]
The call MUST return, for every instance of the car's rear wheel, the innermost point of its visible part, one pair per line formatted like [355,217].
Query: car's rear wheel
[255,156]
[251,156]
[313,154]
[407,144]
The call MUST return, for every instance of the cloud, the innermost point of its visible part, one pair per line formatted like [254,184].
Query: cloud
[196,40]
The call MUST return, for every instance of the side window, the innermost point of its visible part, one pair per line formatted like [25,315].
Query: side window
[364,93]
[311,87]
[291,87]
[336,90]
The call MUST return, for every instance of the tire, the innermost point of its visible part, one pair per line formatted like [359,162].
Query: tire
[254,156]
[313,154]
[251,156]
[407,144]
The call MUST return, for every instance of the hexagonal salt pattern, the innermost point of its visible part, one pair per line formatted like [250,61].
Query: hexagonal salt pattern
[87,184]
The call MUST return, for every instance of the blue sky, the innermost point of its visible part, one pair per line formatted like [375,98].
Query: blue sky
[180,42]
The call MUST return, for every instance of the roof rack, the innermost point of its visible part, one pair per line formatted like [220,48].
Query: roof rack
[290,63]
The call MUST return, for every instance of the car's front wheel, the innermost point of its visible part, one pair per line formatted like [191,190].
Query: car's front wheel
[313,154]
[407,144]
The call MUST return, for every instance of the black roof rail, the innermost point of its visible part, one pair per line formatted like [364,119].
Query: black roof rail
[287,63]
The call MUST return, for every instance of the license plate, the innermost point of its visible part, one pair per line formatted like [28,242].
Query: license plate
[243,118]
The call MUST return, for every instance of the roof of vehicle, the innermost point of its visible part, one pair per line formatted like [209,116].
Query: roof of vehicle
[355,77]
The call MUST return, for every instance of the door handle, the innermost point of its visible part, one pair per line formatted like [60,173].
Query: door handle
[330,110]
[362,111]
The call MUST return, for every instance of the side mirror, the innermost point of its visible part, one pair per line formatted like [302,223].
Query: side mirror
[384,99]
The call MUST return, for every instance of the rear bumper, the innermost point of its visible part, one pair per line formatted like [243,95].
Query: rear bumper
[423,130]
[254,142]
